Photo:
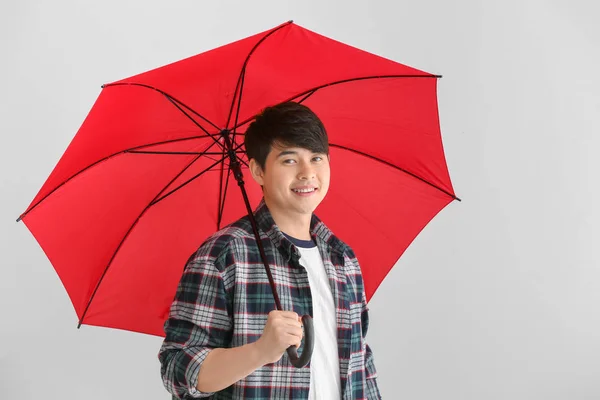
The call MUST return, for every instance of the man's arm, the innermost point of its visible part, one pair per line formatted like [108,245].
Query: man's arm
[195,356]
[199,321]
[222,367]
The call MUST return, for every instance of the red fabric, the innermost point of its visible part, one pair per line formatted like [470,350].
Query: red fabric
[94,210]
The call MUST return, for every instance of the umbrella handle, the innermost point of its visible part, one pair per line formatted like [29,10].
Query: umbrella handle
[309,343]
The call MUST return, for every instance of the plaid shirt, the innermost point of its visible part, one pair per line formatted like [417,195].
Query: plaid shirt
[224,297]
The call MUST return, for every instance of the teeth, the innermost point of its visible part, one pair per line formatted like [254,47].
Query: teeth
[304,190]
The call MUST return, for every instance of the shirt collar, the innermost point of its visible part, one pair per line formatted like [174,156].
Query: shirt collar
[320,233]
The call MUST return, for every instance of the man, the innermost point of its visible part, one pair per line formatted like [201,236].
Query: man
[223,337]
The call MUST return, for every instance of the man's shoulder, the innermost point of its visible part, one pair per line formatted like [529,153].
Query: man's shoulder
[332,240]
[328,236]
[339,245]
[217,243]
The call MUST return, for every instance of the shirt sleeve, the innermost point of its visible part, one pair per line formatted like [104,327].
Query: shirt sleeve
[372,389]
[199,321]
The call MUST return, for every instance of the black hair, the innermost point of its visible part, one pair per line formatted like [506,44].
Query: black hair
[289,124]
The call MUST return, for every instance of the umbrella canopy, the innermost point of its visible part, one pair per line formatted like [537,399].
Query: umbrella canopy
[147,177]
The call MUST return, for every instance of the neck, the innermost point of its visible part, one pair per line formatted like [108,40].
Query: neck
[294,224]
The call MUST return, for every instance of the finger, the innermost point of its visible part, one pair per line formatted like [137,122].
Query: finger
[290,318]
[293,331]
[294,340]
[289,315]
[298,332]
[292,323]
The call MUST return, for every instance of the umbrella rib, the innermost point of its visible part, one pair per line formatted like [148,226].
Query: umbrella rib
[243,71]
[155,201]
[166,142]
[178,152]
[130,150]
[307,96]
[395,167]
[183,153]
[243,162]
[239,105]
[131,229]
[311,91]
[178,175]
[167,96]
[135,149]
[192,119]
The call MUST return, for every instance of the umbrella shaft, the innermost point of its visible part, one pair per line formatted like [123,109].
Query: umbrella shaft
[237,173]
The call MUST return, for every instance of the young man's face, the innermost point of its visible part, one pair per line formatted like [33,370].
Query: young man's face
[295,180]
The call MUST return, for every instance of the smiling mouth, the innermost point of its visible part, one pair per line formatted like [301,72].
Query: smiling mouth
[304,190]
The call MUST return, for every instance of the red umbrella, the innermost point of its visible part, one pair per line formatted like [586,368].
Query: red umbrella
[146,179]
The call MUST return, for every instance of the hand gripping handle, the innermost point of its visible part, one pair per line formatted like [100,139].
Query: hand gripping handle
[309,343]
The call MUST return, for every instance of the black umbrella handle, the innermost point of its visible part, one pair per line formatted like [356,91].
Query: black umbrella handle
[309,344]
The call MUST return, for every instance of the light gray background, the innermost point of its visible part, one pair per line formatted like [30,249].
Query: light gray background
[496,299]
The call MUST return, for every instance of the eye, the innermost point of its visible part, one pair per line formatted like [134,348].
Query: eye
[289,161]
[318,158]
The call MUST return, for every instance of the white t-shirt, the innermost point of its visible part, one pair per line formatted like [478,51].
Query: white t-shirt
[324,366]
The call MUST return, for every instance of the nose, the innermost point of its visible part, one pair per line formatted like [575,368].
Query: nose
[306,172]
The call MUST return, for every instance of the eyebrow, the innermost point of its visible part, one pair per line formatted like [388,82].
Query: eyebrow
[286,153]
[292,152]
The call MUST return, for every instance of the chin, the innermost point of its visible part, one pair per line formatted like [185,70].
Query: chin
[310,208]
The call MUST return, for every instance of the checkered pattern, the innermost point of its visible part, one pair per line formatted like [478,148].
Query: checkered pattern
[224,297]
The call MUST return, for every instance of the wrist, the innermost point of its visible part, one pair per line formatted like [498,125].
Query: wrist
[257,354]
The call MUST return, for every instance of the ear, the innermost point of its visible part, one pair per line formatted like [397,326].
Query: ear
[257,172]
